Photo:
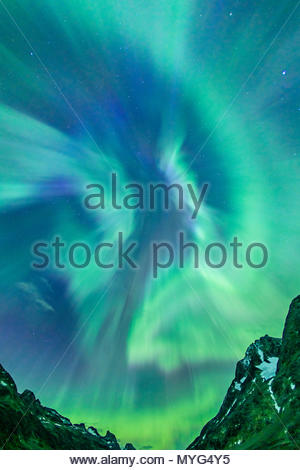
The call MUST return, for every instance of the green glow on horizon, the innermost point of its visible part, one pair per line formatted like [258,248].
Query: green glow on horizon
[154,359]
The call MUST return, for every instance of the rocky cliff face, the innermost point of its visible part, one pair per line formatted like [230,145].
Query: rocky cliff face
[26,424]
[261,409]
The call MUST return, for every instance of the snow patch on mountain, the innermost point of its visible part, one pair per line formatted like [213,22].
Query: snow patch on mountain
[268,368]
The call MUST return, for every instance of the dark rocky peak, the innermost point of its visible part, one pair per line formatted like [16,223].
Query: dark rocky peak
[7,385]
[26,424]
[261,409]
[111,439]
[93,431]
[80,426]
[129,446]
[291,338]
[261,355]
[286,384]
[28,397]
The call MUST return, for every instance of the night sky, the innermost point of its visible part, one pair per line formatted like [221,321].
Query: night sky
[174,91]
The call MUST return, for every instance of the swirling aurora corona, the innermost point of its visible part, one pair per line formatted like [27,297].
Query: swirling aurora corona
[160,91]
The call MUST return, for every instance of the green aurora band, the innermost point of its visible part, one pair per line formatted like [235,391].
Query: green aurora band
[170,90]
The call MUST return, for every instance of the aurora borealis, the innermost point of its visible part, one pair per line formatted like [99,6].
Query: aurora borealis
[178,91]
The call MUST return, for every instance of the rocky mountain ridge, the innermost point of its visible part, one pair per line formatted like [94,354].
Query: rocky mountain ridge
[26,424]
[261,409]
